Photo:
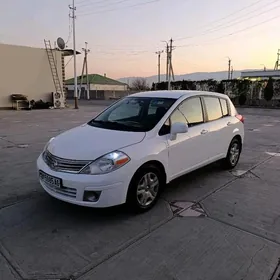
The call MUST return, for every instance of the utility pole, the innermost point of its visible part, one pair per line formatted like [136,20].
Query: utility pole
[86,50]
[85,67]
[81,80]
[167,61]
[276,67]
[159,54]
[229,68]
[231,73]
[73,8]
[170,65]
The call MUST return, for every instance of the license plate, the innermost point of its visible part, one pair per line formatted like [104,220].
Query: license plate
[50,180]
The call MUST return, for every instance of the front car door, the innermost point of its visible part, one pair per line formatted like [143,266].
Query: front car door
[189,150]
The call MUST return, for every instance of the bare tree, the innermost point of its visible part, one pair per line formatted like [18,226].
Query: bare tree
[140,84]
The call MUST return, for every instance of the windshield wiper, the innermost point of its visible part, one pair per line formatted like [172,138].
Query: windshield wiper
[116,125]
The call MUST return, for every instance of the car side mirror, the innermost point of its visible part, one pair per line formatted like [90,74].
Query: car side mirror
[177,128]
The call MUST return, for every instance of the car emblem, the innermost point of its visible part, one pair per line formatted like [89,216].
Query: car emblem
[54,164]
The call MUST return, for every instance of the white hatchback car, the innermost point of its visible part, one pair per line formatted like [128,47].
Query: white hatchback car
[134,147]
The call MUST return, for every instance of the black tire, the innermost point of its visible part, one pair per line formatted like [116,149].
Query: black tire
[134,197]
[233,154]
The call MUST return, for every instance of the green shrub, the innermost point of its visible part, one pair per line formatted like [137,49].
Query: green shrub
[242,99]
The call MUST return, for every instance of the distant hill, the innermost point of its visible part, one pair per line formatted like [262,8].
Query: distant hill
[220,75]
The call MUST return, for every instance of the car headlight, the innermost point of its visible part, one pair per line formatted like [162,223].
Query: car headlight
[106,163]
[47,145]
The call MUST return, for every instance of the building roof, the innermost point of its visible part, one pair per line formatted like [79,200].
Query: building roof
[176,94]
[95,79]
[260,73]
[68,52]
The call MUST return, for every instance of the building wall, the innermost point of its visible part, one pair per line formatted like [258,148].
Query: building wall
[26,70]
[261,74]
[108,87]
[101,87]
[99,94]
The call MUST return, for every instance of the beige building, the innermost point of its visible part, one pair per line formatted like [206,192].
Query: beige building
[100,87]
[26,70]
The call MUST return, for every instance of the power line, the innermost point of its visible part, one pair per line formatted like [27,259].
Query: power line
[68,61]
[227,16]
[247,28]
[70,27]
[131,6]
[83,1]
[128,53]
[207,31]
[233,33]
[250,12]
[227,26]
[102,2]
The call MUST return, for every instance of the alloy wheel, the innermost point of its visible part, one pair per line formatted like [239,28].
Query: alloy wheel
[147,189]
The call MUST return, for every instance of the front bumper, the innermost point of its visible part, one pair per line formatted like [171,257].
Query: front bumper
[113,186]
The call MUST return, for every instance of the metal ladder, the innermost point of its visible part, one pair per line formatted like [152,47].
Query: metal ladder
[53,67]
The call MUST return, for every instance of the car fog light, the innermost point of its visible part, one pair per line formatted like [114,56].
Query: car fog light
[91,196]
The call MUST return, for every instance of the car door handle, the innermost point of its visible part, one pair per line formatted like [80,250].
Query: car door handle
[229,123]
[204,131]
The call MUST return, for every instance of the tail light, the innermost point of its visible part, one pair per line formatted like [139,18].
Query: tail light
[240,117]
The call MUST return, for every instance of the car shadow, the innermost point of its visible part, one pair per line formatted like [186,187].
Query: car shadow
[196,184]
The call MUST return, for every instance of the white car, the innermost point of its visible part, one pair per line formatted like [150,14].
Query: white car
[137,145]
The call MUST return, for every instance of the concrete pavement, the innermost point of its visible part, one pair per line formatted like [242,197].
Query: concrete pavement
[237,238]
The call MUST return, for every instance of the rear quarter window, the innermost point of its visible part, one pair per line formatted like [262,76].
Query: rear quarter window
[225,107]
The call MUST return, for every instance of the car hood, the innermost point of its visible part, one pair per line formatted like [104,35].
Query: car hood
[88,143]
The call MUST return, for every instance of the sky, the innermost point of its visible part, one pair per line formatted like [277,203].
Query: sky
[123,35]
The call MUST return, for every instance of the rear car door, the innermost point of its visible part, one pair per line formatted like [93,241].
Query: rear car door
[189,150]
[218,120]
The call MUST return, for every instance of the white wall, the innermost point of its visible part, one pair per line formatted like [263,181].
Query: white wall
[109,87]
[26,70]
[101,87]
[71,87]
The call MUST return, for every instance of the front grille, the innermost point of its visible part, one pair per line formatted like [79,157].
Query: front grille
[64,165]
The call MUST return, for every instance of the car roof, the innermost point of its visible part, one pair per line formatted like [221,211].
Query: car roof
[176,94]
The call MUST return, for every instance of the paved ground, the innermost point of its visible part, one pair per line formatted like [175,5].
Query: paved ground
[210,224]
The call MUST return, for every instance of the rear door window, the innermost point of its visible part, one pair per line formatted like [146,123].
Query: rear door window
[213,108]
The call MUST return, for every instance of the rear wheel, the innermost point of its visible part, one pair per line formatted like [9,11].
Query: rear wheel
[233,154]
[144,188]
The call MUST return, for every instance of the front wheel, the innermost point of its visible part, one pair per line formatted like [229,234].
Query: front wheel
[233,154]
[144,189]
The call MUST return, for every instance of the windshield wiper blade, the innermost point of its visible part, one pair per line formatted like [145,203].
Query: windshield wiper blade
[108,122]
[114,124]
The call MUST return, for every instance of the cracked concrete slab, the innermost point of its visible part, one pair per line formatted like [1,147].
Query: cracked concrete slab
[193,248]
[6,271]
[269,172]
[18,180]
[248,203]
[49,238]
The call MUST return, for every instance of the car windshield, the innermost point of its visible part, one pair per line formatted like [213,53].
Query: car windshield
[133,114]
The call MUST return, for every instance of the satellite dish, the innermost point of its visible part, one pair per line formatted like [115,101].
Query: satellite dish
[60,43]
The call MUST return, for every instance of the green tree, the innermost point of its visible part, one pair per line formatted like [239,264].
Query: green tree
[268,90]
[221,88]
